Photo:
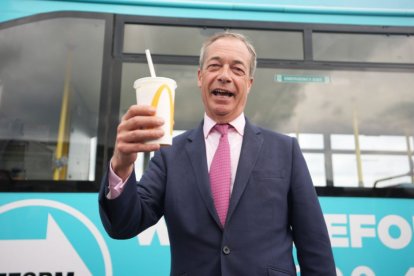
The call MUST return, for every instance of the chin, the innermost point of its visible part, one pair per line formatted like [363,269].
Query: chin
[221,112]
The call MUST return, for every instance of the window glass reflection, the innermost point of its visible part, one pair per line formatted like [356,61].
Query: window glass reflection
[316,166]
[383,143]
[363,47]
[334,108]
[343,141]
[50,75]
[310,141]
[388,170]
[289,44]
[344,170]
[379,142]
[377,103]
[168,40]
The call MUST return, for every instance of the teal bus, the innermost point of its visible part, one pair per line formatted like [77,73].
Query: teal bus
[337,75]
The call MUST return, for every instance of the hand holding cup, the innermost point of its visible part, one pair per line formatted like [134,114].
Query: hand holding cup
[138,126]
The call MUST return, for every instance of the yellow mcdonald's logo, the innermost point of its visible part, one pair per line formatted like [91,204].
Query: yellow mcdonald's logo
[156,99]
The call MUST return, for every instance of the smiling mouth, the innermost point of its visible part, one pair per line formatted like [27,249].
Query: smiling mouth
[221,92]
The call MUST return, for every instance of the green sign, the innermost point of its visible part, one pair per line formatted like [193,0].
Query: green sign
[301,78]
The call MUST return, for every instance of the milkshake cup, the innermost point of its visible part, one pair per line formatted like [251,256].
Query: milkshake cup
[159,93]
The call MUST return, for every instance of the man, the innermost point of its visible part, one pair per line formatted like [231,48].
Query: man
[245,228]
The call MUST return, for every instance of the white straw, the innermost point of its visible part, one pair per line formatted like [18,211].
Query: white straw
[150,65]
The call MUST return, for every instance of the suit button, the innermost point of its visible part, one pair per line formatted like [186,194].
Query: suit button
[226,250]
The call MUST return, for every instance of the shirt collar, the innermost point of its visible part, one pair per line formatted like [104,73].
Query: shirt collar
[238,124]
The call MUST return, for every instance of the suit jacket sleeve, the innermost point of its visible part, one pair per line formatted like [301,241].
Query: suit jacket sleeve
[138,207]
[309,230]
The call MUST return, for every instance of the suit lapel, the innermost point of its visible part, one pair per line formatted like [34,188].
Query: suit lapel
[196,152]
[252,144]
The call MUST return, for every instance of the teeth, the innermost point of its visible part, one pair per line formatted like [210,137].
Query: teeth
[220,92]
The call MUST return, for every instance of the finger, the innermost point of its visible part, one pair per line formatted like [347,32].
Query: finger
[139,110]
[140,129]
[140,135]
[141,122]
[131,148]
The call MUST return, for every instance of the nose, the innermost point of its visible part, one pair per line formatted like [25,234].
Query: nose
[224,74]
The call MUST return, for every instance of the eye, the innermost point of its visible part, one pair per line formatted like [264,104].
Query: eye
[239,71]
[213,66]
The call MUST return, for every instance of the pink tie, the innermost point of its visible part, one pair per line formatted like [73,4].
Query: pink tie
[220,174]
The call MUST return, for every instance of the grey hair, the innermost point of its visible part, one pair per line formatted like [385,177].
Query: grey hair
[242,38]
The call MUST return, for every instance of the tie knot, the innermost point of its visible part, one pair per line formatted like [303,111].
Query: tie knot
[222,128]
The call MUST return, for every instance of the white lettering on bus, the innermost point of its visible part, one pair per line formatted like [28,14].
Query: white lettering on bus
[351,230]
[384,232]
[146,238]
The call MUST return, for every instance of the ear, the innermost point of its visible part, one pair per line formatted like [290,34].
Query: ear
[199,77]
[249,85]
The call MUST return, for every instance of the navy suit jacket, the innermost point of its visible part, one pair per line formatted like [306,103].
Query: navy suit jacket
[272,205]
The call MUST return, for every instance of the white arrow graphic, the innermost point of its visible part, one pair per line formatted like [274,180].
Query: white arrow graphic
[410,272]
[53,254]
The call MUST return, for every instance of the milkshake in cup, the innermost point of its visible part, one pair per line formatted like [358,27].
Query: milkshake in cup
[159,93]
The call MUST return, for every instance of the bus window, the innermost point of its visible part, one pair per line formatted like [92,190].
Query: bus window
[168,40]
[289,44]
[165,40]
[363,47]
[360,121]
[50,77]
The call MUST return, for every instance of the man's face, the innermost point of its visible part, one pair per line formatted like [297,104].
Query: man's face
[224,79]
